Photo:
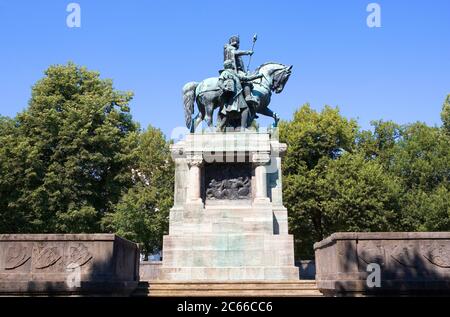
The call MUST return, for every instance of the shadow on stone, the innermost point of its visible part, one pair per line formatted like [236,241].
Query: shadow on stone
[307,269]
[409,263]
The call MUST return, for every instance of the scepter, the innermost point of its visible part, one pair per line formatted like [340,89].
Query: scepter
[255,37]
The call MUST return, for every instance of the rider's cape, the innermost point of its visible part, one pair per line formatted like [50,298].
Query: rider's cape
[231,85]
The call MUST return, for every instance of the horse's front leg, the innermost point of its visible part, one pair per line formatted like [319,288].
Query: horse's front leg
[267,112]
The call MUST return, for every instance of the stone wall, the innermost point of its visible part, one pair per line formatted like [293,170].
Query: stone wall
[409,262]
[150,270]
[67,264]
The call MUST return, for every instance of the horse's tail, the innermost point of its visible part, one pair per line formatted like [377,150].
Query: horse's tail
[188,100]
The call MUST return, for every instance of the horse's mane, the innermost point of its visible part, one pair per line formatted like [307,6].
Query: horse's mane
[265,64]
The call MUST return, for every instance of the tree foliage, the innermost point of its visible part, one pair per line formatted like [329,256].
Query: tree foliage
[339,178]
[445,115]
[66,158]
[142,214]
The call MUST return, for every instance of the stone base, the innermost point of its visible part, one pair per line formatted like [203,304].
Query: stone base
[294,288]
[248,273]
[149,270]
[225,242]
[228,257]
[237,227]
[220,250]
[67,264]
[222,219]
[411,263]
[39,288]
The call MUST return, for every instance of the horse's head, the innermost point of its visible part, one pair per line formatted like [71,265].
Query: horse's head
[277,75]
[280,78]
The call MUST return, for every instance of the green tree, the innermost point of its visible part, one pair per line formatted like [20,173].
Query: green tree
[312,136]
[68,154]
[350,193]
[142,214]
[359,195]
[426,211]
[445,115]
[422,161]
[328,186]
[422,157]
[11,219]
[381,143]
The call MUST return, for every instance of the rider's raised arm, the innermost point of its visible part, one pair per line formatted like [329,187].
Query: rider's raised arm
[249,77]
[240,53]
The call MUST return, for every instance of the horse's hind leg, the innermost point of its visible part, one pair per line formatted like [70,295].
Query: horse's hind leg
[197,120]
[221,122]
[199,117]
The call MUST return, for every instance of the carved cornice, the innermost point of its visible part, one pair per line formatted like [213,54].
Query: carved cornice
[177,150]
[282,147]
[278,149]
[260,158]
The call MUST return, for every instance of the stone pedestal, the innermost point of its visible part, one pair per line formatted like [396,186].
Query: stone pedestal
[67,264]
[404,263]
[228,221]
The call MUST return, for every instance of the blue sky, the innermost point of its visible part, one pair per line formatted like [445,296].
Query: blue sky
[397,72]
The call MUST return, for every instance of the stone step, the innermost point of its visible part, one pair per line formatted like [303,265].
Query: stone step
[301,288]
[229,273]
[231,285]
